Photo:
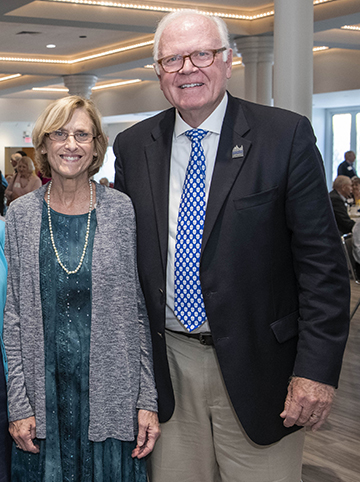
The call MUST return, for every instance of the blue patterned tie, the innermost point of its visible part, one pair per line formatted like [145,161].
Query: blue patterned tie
[189,304]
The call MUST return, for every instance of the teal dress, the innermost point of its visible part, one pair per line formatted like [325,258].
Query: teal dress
[66,454]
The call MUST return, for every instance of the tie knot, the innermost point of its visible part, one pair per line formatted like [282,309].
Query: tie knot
[196,134]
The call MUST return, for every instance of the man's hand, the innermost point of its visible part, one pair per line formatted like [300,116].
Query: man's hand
[149,432]
[307,403]
[23,432]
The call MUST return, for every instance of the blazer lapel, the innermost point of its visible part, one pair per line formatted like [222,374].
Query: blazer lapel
[231,155]
[158,163]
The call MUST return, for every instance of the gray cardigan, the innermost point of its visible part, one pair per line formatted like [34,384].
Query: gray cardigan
[121,374]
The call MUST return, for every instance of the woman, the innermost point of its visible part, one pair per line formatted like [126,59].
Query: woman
[5,440]
[24,181]
[76,330]
[355,184]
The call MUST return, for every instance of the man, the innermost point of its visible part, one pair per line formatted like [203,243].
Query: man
[346,168]
[342,189]
[273,303]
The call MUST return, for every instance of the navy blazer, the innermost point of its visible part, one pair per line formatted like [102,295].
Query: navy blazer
[273,276]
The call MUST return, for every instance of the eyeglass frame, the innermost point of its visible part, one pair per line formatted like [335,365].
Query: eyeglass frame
[214,52]
[48,134]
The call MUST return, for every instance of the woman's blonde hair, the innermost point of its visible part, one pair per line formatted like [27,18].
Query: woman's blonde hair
[55,116]
[28,161]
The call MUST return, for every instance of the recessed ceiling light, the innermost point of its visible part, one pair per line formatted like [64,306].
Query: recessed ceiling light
[50,46]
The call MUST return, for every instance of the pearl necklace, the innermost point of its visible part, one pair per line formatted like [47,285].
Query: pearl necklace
[86,235]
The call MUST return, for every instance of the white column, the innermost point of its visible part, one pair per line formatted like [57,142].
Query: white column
[265,70]
[80,84]
[293,57]
[257,56]
[247,47]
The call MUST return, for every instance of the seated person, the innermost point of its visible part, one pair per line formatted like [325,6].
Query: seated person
[355,183]
[341,192]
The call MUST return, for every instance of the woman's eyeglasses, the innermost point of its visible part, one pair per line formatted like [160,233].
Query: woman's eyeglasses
[80,137]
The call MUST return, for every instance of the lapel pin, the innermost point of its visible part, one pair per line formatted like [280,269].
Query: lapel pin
[238,152]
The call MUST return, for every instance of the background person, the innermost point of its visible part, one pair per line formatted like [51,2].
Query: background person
[275,293]
[14,159]
[355,187]
[24,181]
[5,439]
[347,168]
[81,393]
[104,181]
[342,189]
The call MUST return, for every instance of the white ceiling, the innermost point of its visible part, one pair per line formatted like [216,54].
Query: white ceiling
[26,27]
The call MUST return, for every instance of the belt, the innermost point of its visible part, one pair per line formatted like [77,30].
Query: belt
[204,338]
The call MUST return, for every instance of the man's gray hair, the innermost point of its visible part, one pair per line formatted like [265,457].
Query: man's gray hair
[339,182]
[170,17]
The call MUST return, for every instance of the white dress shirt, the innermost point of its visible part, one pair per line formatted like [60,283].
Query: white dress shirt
[180,156]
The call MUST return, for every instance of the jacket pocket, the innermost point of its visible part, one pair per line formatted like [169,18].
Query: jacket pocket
[256,199]
[286,328]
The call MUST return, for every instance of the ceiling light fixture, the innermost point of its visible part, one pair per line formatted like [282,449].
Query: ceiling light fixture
[161,8]
[317,2]
[97,87]
[81,59]
[116,84]
[351,27]
[318,49]
[50,89]
[9,77]
[50,46]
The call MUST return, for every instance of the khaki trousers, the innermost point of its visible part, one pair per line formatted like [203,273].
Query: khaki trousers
[204,441]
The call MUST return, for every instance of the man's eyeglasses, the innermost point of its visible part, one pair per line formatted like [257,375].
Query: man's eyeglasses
[80,137]
[199,59]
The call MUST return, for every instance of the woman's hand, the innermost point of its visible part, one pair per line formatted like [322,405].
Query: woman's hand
[23,432]
[149,432]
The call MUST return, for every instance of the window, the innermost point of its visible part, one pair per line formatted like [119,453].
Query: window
[345,130]
[341,137]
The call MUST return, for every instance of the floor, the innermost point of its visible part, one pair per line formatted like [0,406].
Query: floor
[333,453]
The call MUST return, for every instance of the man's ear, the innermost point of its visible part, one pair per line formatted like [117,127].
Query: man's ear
[228,61]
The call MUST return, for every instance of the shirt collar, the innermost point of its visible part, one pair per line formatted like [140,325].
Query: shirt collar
[212,124]
[342,197]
